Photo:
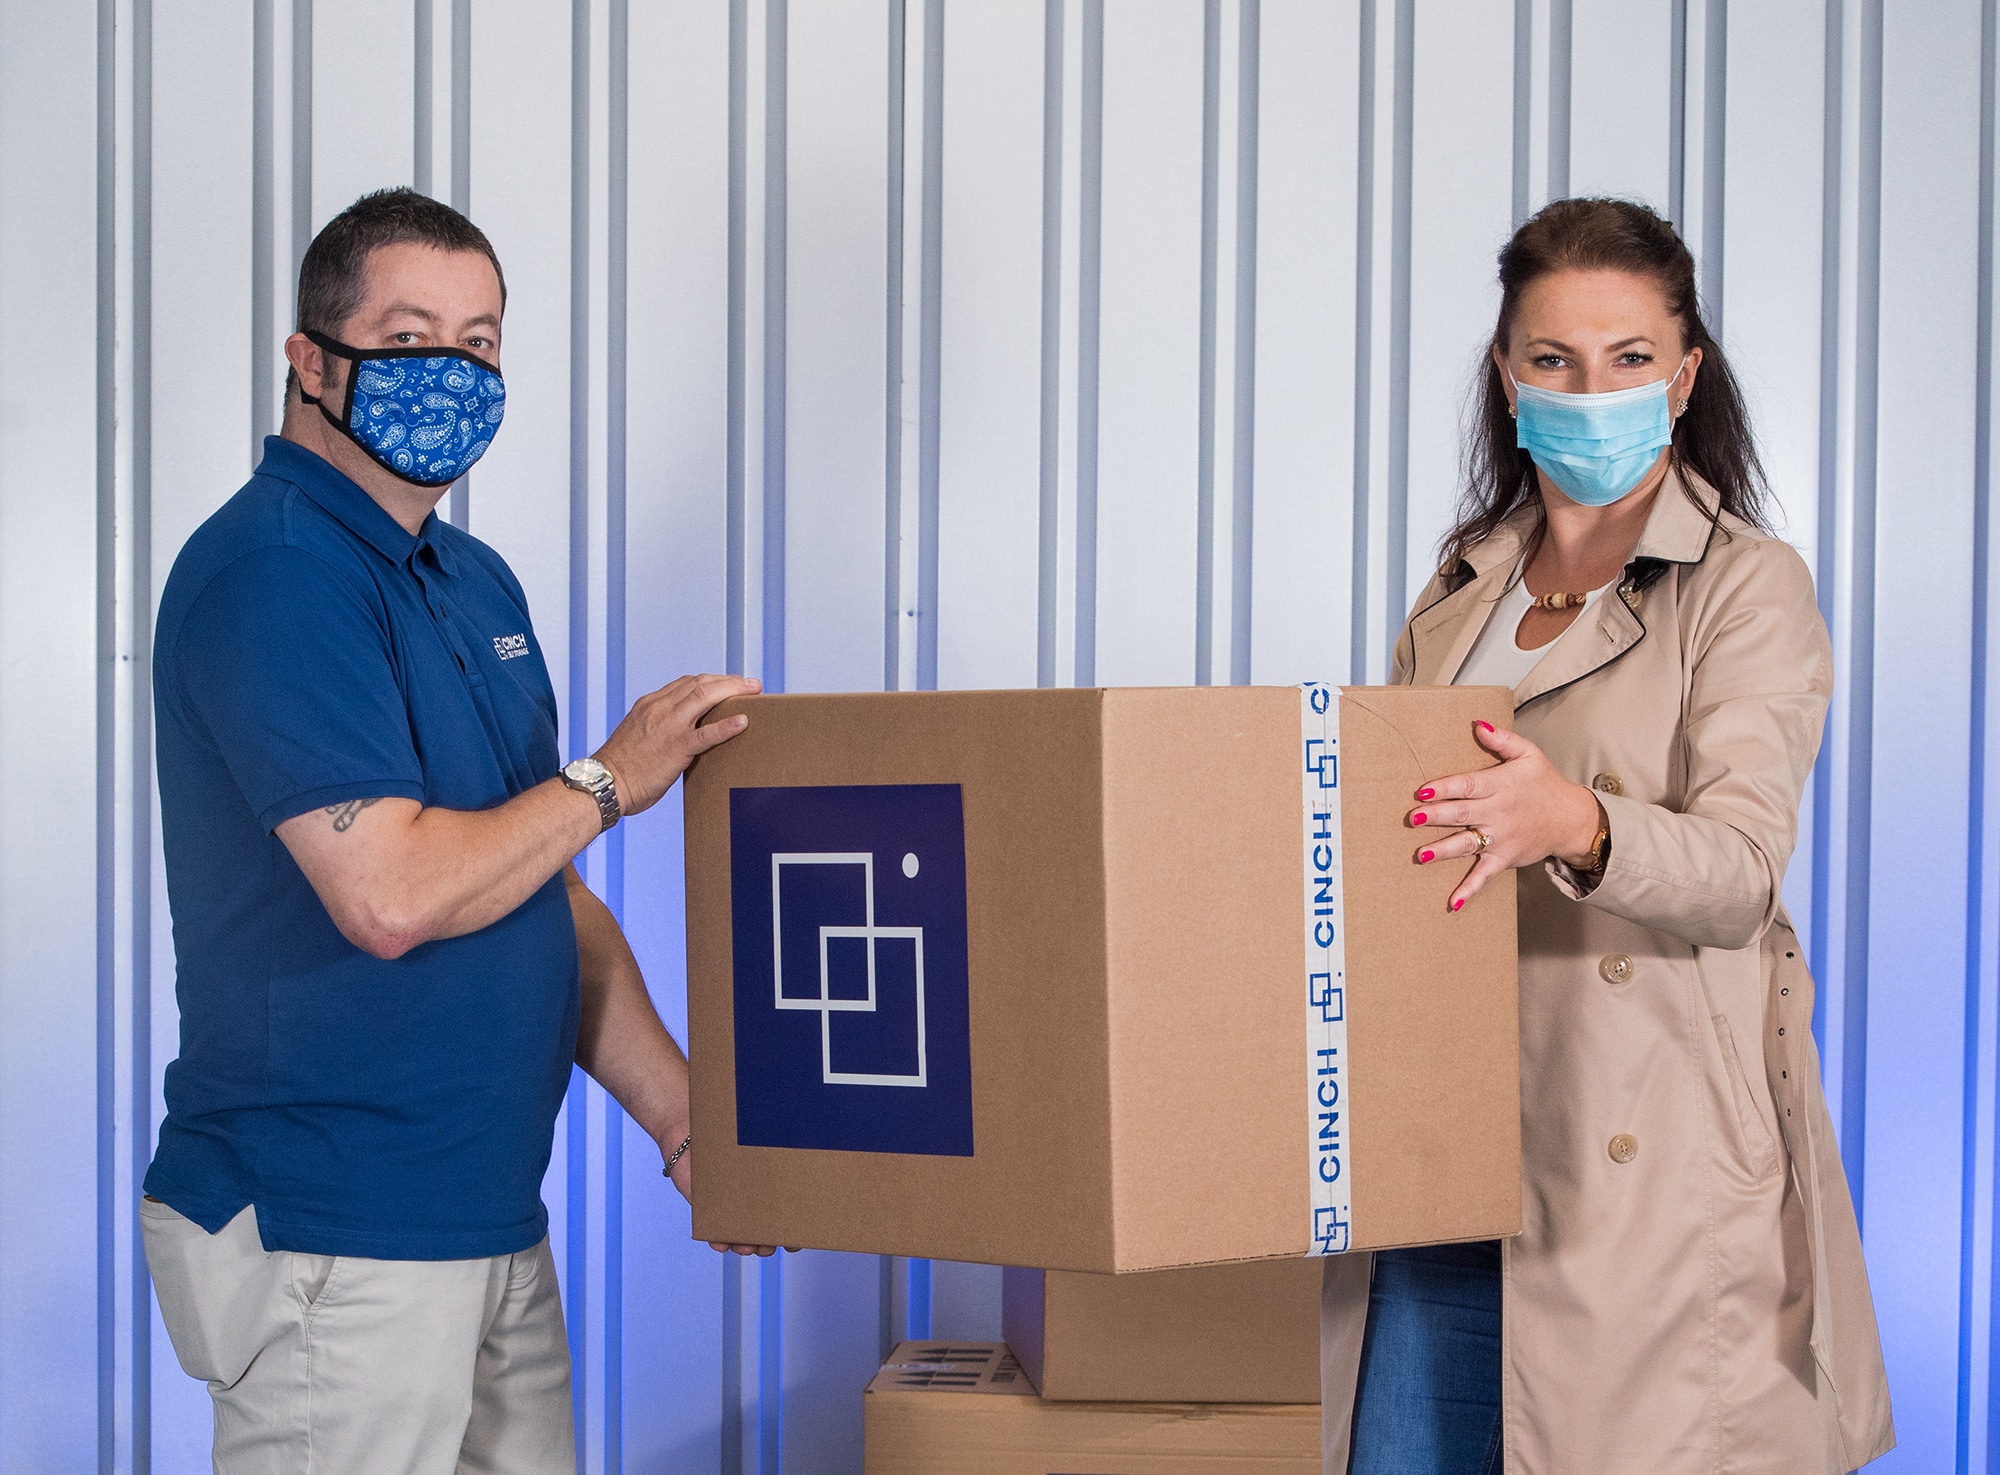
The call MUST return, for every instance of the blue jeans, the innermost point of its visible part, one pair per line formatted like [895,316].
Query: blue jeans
[1428,1402]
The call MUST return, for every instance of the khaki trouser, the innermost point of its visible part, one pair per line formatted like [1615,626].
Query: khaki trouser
[339,1365]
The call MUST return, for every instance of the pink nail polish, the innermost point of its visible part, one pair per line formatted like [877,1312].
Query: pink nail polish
[1426,858]
[1418,818]
[1486,726]
[1457,904]
[1427,794]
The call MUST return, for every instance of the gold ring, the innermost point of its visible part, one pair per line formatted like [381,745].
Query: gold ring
[1484,841]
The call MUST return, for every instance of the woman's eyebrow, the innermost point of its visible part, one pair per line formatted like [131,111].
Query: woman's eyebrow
[1556,343]
[1628,342]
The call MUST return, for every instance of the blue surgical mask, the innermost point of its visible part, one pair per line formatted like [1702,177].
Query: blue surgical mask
[1595,447]
[425,414]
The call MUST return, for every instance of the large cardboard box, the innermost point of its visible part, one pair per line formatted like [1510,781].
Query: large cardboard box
[942,1409]
[1098,980]
[1212,1334]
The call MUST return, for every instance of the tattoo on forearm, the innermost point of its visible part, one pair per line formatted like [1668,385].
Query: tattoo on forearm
[343,814]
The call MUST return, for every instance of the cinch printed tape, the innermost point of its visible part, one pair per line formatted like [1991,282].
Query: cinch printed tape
[1329,1147]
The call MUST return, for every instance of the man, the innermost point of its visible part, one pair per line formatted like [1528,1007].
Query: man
[387,961]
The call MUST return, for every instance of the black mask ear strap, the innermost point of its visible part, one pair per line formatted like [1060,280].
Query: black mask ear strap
[340,350]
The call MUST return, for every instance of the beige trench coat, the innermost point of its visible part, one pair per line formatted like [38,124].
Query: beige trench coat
[1701,1304]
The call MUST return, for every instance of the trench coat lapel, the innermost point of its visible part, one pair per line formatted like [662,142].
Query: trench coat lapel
[1443,632]
[1678,531]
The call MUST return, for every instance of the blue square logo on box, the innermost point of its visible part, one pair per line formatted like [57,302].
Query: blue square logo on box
[853,1024]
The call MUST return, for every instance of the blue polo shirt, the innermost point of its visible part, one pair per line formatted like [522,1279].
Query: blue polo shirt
[309,652]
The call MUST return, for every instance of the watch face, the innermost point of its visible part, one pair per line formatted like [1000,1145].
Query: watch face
[587,771]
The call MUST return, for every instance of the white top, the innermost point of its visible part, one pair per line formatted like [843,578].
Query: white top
[1496,659]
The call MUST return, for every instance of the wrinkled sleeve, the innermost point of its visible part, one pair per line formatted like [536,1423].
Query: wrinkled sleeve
[288,666]
[1759,679]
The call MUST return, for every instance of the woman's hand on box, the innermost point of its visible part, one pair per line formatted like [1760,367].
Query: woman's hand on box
[1526,810]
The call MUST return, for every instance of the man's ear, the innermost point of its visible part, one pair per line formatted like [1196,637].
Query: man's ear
[309,366]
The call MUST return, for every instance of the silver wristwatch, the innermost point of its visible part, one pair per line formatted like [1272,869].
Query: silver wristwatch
[594,779]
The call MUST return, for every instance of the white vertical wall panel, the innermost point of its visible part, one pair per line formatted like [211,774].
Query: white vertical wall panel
[1923,585]
[677,332]
[1304,530]
[364,113]
[201,187]
[201,260]
[1150,353]
[837,281]
[1620,108]
[1391,159]
[520,501]
[836,245]
[50,334]
[1774,236]
[1460,209]
[832,1347]
[1383,73]
[990,377]
[1774,243]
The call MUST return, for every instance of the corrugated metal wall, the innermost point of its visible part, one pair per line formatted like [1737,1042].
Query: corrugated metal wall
[984,343]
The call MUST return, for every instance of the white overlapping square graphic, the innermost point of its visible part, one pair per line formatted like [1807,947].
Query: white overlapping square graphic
[869,933]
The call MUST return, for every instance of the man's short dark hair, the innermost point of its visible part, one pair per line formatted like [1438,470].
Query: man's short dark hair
[333,277]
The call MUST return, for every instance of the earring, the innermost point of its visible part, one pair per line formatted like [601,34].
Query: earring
[1681,408]
[1511,414]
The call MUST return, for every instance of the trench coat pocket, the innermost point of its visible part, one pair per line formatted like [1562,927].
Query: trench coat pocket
[1758,1149]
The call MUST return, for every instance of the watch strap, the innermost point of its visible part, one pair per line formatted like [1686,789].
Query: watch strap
[604,790]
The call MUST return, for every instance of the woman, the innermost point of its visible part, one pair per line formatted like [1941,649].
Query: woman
[1687,1292]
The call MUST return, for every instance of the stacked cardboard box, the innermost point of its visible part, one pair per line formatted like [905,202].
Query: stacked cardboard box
[939,1408]
[1096,980]
[1217,1334]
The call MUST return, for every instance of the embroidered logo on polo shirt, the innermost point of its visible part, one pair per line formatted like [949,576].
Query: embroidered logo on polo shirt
[509,646]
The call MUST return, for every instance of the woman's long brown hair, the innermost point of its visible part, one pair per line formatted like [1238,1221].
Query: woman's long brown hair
[1712,438]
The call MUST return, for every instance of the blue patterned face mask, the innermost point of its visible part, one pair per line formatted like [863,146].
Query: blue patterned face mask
[425,414]
[1596,447]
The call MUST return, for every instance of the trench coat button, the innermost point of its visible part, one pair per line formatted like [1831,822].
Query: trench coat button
[1615,968]
[1624,1147]
[1630,596]
[1608,783]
